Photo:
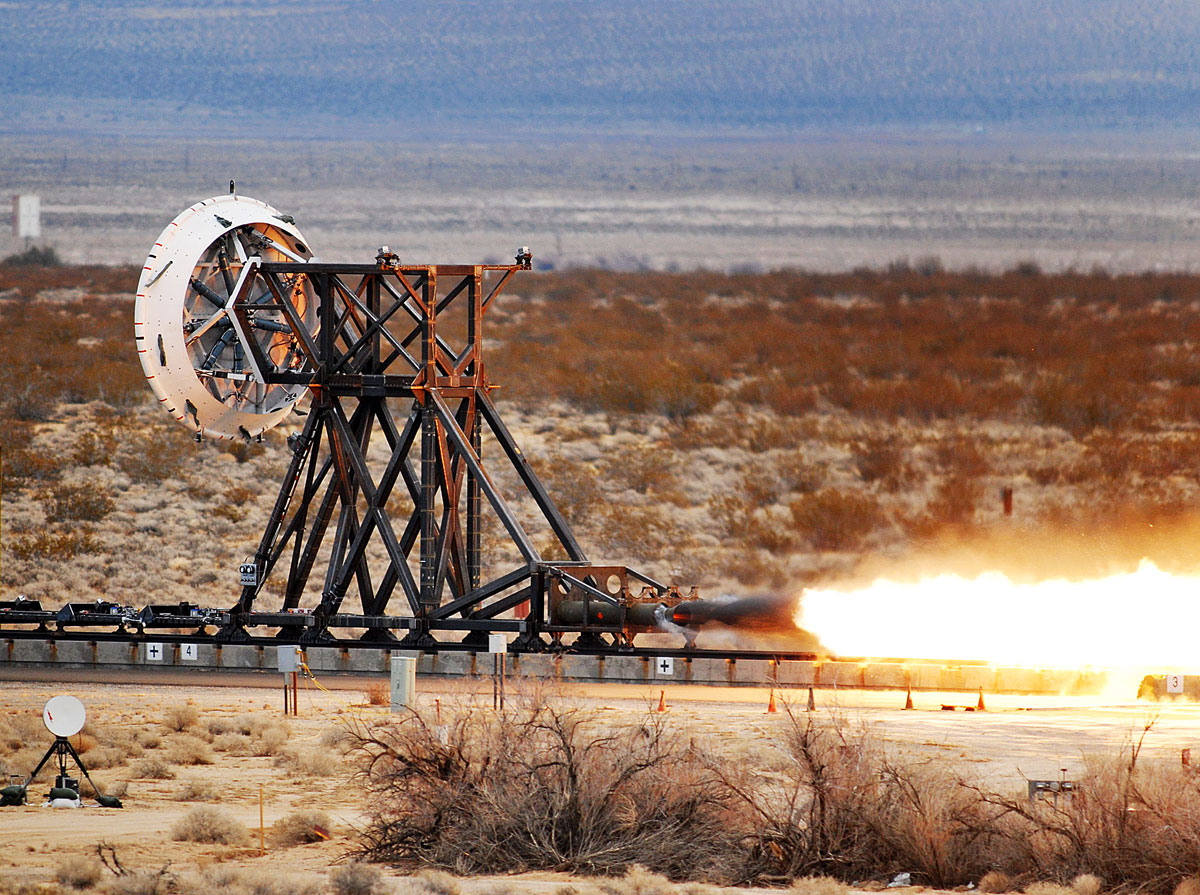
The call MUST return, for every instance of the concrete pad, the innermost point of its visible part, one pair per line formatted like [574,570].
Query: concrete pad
[206,657]
[537,665]
[71,652]
[979,677]
[924,677]
[580,668]
[1019,680]
[234,655]
[28,651]
[325,658]
[108,653]
[952,677]
[459,664]
[752,672]
[795,674]
[886,676]
[622,669]
[370,661]
[707,671]
[839,674]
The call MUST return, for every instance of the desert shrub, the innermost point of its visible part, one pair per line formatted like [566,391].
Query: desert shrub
[197,791]
[269,739]
[378,693]
[536,786]
[181,716]
[356,878]
[189,750]
[337,737]
[818,885]
[56,544]
[646,469]
[1087,884]
[78,872]
[438,882]
[1138,825]
[1047,888]
[148,738]
[34,256]
[207,824]
[844,807]
[83,503]
[301,826]
[152,768]
[881,459]
[143,882]
[1188,886]
[994,882]
[218,726]
[232,743]
[309,762]
[954,501]
[100,757]
[835,519]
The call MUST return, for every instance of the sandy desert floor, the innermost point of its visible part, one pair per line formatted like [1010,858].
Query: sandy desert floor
[1016,738]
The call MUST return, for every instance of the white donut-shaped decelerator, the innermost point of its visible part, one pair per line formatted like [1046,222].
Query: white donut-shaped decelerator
[189,348]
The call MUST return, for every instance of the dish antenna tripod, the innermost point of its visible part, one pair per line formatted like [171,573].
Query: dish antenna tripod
[386,502]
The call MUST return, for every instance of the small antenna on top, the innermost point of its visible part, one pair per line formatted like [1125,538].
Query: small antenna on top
[233,189]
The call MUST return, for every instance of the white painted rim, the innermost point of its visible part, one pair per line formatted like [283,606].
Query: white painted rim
[166,302]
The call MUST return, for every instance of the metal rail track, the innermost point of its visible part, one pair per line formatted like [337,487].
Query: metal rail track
[642,652]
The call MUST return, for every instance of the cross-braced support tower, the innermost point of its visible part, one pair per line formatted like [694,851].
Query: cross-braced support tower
[387,489]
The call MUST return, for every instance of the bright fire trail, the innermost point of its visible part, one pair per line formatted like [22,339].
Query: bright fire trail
[1142,619]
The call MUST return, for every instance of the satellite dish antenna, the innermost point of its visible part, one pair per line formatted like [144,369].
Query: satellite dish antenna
[64,716]
[198,357]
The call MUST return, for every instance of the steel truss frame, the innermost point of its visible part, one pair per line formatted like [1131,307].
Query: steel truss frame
[383,362]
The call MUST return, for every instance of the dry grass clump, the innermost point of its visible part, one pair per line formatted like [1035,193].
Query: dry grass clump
[231,743]
[301,826]
[1087,884]
[267,735]
[1188,886]
[186,749]
[637,881]
[197,791]
[143,882]
[539,786]
[152,768]
[207,824]
[437,882]
[356,878]
[378,693]
[818,885]
[337,737]
[994,882]
[235,881]
[313,762]
[78,871]
[1045,888]
[181,716]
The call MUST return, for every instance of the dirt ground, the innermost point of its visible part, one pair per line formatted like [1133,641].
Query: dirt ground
[1016,738]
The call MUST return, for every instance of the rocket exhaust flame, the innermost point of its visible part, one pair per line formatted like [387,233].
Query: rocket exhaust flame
[1141,619]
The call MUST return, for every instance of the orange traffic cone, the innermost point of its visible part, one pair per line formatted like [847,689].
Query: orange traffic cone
[980,707]
[771,710]
[908,706]
[662,700]
[812,703]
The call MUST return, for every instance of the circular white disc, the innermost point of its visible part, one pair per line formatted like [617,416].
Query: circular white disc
[190,351]
[64,716]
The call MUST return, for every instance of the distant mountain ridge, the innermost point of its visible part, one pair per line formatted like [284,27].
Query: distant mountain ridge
[560,65]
